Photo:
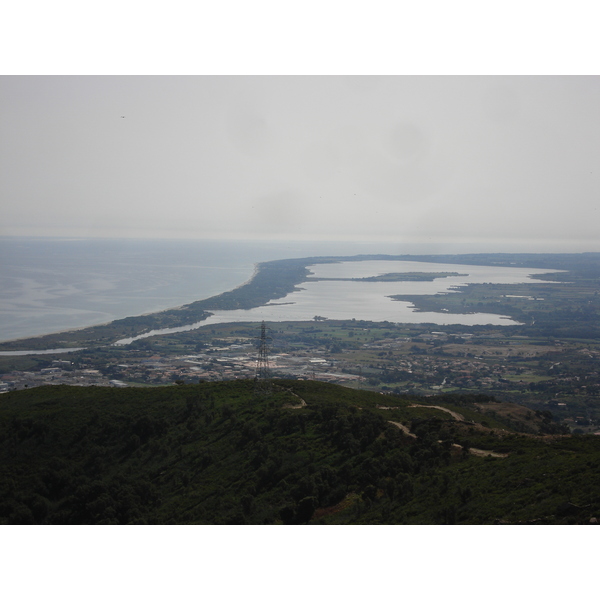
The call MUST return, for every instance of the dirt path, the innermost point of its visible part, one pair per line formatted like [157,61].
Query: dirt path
[406,430]
[403,428]
[302,401]
[473,451]
[479,452]
[456,415]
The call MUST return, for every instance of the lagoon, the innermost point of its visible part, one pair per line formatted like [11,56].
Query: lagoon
[50,285]
[338,298]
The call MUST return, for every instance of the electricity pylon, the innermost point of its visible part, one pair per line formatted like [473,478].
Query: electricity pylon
[262,376]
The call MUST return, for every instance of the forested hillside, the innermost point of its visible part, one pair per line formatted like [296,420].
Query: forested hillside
[307,453]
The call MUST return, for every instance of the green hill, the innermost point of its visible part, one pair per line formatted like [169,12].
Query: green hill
[308,453]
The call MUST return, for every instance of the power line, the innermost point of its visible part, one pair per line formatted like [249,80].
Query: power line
[262,375]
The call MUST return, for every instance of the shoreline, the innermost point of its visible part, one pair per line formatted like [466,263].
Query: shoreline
[144,314]
[270,281]
[108,333]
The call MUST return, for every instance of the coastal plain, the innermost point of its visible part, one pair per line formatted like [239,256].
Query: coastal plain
[548,361]
[363,421]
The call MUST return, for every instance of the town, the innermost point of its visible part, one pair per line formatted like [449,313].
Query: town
[559,376]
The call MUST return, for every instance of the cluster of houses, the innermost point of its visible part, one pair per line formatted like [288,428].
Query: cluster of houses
[235,361]
[60,373]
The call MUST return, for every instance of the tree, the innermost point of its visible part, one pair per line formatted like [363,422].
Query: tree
[305,510]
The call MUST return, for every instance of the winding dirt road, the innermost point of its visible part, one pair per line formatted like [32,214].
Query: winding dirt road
[458,417]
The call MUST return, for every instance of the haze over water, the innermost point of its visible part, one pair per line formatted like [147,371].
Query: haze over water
[370,300]
[50,285]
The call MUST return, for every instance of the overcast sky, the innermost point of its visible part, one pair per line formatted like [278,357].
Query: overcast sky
[398,158]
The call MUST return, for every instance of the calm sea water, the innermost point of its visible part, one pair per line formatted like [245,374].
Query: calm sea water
[51,285]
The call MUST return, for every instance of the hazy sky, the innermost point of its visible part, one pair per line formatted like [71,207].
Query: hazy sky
[398,158]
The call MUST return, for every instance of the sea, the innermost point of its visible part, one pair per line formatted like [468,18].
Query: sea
[49,285]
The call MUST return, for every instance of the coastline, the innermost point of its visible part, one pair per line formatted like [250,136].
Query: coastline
[269,281]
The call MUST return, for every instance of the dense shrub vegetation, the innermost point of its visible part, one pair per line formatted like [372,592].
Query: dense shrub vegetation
[215,453]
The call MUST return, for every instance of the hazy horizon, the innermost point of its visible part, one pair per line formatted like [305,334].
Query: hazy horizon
[367,246]
[483,161]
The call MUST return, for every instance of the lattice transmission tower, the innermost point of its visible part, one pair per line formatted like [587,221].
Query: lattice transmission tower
[262,376]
